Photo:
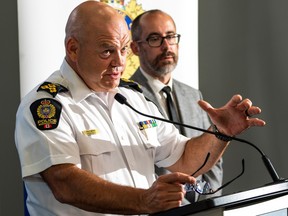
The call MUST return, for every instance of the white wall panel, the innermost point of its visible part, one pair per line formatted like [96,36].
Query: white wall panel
[41,36]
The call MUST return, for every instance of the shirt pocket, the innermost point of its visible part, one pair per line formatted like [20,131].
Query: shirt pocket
[98,156]
[95,146]
[149,138]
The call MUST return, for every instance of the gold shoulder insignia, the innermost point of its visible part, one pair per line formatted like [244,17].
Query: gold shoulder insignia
[52,88]
[130,84]
[46,113]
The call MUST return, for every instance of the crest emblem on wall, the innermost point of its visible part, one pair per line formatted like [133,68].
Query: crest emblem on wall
[130,10]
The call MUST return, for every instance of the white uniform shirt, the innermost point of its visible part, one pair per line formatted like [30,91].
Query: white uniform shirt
[98,134]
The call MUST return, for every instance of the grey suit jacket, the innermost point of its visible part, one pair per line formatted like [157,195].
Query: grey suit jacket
[190,114]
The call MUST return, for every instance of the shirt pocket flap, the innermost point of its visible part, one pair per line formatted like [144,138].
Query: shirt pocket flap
[95,146]
[149,138]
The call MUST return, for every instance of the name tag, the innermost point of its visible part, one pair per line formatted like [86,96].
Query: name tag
[90,132]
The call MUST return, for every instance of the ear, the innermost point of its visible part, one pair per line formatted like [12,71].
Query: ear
[72,47]
[135,48]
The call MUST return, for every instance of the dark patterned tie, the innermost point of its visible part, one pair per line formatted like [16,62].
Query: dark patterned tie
[174,117]
[171,106]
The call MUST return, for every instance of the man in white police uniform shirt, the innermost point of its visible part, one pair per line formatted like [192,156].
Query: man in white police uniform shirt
[83,153]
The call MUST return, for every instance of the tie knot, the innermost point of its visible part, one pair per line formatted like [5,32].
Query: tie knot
[167,90]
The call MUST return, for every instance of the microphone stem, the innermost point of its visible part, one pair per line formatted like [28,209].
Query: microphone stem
[121,99]
[269,166]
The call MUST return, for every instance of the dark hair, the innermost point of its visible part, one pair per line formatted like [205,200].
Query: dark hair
[136,29]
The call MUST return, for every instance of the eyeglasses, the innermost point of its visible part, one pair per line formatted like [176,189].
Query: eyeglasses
[204,188]
[157,40]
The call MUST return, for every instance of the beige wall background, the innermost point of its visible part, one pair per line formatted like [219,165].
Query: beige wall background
[37,26]
[242,49]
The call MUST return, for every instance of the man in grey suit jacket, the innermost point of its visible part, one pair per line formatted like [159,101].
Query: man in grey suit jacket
[155,42]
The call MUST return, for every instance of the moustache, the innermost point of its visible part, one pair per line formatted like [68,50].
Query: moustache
[166,54]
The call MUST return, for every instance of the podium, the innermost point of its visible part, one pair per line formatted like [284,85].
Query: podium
[270,200]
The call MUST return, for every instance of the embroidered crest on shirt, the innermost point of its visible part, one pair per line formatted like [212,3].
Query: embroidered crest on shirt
[46,113]
[52,88]
[147,124]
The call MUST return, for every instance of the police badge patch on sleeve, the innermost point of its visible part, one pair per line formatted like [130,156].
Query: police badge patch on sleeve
[46,113]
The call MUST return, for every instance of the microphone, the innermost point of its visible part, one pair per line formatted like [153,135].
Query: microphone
[268,164]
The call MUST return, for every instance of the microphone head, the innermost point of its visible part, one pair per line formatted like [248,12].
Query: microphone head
[120,98]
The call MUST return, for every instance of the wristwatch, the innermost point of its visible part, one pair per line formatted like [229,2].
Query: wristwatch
[220,135]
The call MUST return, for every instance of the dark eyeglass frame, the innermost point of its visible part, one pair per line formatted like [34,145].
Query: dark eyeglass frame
[167,37]
[190,187]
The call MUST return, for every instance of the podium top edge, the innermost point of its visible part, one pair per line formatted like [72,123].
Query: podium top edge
[266,192]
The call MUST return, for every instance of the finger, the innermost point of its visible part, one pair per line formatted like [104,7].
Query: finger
[174,187]
[174,195]
[177,177]
[160,196]
[205,105]
[157,204]
[256,122]
[244,105]
[235,100]
[253,111]
[170,205]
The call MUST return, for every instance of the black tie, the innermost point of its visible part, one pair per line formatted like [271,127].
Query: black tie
[174,117]
[170,106]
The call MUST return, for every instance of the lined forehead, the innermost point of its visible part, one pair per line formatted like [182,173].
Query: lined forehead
[93,17]
[93,11]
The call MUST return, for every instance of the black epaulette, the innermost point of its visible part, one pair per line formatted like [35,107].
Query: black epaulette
[52,88]
[130,84]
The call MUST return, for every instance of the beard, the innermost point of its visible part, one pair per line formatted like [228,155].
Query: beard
[160,69]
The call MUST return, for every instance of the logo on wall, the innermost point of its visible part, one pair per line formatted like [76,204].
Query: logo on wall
[130,10]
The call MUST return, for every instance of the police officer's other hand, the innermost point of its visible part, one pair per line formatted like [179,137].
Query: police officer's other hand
[235,116]
[166,192]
